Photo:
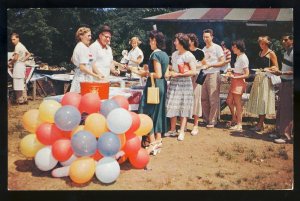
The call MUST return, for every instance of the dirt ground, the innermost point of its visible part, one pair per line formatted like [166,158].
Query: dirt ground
[216,159]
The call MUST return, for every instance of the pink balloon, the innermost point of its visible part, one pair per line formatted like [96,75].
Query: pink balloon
[71,98]
[90,103]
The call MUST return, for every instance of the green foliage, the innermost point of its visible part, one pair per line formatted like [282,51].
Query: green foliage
[50,32]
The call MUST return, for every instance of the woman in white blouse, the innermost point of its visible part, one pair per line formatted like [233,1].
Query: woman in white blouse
[82,58]
[238,84]
[180,95]
[135,55]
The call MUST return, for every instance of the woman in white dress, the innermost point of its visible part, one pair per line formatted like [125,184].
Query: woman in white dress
[82,58]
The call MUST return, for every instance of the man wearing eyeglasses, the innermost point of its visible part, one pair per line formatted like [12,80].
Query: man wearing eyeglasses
[284,121]
[102,53]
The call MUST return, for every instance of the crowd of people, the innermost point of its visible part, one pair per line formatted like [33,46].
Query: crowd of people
[180,94]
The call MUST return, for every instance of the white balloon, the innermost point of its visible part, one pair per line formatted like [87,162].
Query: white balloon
[61,172]
[44,159]
[119,120]
[69,161]
[107,170]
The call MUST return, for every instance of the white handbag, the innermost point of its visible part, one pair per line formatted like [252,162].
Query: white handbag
[274,78]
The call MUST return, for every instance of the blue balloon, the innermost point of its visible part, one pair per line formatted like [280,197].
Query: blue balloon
[109,144]
[84,143]
[67,118]
[107,106]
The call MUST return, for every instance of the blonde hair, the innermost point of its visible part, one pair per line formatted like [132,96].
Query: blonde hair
[264,39]
[135,39]
[80,32]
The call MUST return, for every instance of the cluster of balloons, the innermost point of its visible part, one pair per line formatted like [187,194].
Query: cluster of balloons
[81,146]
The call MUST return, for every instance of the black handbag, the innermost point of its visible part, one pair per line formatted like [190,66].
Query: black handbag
[201,77]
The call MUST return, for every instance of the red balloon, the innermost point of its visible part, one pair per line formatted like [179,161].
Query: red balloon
[129,135]
[71,98]
[97,156]
[135,123]
[132,146]
[90,103]
[62,150]
[140,159]
[121,101]
[48,133]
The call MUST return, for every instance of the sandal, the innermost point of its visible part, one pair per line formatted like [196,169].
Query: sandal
[152,148]
[238,128]
[283,141]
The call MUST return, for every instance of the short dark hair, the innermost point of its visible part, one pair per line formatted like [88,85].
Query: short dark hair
[105,28]
[209,31]
[183,40]
[193,38]
[289,35]
[15,35]
[239,45]
[159,37]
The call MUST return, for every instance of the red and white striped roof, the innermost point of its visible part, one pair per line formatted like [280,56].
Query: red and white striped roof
[227,14]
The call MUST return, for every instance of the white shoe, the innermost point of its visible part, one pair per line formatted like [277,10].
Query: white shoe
[181,136]
[195,131]
[171,134]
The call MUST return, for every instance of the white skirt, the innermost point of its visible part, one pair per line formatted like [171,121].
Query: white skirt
[19,84]
[19,70]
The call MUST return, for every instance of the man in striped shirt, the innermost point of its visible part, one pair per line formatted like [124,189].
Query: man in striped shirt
[227,55]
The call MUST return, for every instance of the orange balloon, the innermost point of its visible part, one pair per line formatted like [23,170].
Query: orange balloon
[31,120]
[122,139]
[146,125]
[48,109]
[82,170]
[96,124]
[75,130]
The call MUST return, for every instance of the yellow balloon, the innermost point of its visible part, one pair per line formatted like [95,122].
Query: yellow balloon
[96,124]
[146,125]
[48,109]
[75,130]
[82,170]
[122,139]
[31,120]
[29,145]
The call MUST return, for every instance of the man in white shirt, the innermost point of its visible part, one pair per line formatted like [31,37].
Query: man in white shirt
[102,53]
[214,58]
[21,54]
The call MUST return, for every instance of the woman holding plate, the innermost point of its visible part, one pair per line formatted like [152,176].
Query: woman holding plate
[238,84]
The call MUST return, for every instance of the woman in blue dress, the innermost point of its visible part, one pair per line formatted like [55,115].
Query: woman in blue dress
[158,66]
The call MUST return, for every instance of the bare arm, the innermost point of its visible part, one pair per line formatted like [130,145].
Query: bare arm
[137,61]
[27,55]
[84,69]
[245,75]
[157,69]
[220,63]
[113,70]
[95,69]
